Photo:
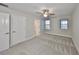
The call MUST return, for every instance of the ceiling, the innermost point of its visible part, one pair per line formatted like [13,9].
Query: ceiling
[60,8]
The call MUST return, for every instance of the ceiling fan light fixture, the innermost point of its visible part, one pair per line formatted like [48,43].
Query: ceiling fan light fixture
[45,15]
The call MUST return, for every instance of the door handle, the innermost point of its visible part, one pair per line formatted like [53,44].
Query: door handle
[7,33]
[13,31]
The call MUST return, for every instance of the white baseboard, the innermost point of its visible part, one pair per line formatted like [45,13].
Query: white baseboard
[60,35]
[29,38]
[26,39]
[76,45]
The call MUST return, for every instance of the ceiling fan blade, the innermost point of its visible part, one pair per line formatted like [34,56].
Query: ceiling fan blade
[52,14]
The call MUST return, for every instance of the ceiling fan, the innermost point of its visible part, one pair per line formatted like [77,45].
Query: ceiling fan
[47,12]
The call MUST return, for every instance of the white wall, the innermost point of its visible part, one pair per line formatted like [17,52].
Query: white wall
[76,27]
[29,28]
[37,25]
[55,27]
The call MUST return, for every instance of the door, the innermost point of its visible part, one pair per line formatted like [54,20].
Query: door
[4,31]
[17,29]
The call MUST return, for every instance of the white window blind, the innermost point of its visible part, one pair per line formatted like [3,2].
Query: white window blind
[64,24]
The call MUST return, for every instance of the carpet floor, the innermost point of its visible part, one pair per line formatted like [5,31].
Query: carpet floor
[43,44]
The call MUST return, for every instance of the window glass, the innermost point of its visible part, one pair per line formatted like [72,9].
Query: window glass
[47,24]
[64,24]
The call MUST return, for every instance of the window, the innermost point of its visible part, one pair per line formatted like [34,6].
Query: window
[47,24]
[64,24]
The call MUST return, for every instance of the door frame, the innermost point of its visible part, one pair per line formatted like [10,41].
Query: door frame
[9,27]
[10,30]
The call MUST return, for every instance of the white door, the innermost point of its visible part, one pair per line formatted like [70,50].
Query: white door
[18,29]
[4,31]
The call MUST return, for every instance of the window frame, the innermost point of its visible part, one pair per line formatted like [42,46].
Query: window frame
[64,24]
[48,24]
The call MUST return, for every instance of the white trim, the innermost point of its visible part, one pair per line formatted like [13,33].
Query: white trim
[61,35]
[26,39]
[30,37]
[76,45]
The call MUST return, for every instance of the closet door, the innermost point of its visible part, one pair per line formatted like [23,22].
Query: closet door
[17,29]
[4,31]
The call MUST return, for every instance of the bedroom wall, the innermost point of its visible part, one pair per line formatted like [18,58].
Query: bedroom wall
[55,27]
[29,29]
[75,35]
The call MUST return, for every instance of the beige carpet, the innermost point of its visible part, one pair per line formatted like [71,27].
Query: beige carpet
[43,44]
